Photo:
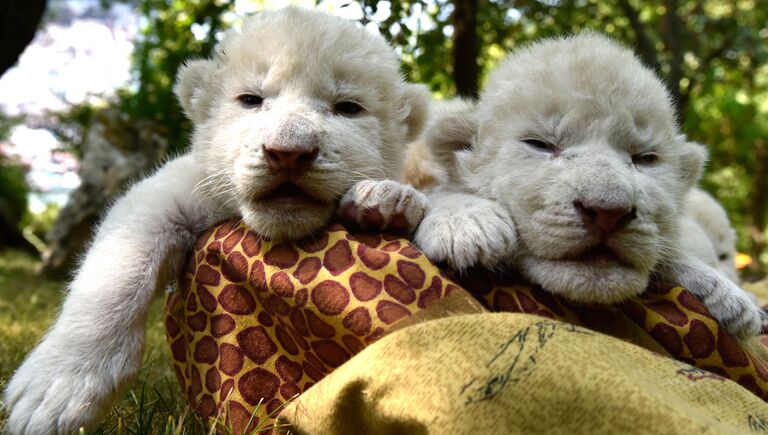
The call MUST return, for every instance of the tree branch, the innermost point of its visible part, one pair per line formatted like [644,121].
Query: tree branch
[466,47]
[644,44]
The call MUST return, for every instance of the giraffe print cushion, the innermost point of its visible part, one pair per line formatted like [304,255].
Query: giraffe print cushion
[255,323]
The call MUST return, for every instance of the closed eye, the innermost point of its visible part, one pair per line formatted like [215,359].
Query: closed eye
[540,144]
[645,159]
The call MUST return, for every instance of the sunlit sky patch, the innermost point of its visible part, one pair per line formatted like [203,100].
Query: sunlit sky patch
[71,61]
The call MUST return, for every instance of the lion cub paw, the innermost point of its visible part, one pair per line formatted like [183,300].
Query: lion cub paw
[738,311]
[467,231]
[735,309]
[383,205]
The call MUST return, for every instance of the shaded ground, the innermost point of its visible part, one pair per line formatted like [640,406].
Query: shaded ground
[28,305]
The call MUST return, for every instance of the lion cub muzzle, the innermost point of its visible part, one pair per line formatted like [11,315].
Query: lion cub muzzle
[293,146]
[604,221]
[290,152]
[290,162]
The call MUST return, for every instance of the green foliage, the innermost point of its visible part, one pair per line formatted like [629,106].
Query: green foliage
[13,189]
[38,224]
[7,124]
[166,42]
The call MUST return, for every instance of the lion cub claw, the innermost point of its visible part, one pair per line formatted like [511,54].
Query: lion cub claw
[383,205]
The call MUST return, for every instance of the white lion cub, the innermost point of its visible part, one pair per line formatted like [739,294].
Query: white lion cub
[711,218]
[292,112]
[572,167]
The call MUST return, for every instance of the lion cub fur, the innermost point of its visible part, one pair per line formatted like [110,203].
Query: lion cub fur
[563,123]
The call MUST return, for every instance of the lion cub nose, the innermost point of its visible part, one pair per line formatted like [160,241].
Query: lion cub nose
[605,220]
[295,160]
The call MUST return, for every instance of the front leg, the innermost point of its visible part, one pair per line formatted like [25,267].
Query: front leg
[70,379]
[735,309]
[383,205]
[464,230]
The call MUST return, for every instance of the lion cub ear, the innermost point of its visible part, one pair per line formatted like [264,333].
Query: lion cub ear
[192,88]
[693,157]
[414,109]
[452,128]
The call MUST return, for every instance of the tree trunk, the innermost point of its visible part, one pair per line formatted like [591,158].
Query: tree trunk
[644,44]
[18,24]
[466,48]
[116,151]
[673,35]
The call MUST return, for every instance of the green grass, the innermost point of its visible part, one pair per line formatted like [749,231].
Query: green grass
[151,404]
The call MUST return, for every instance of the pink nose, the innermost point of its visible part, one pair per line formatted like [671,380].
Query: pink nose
[293,160]
[605,220]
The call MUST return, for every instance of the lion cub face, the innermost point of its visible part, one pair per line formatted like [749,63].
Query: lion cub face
[578,140]
[291,112]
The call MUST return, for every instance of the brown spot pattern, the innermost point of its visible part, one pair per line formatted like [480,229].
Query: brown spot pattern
[282,256]
[232,240]
[258,385]
[212,380]
[256,344]
[308,269]
[231,361]
[431,294]
[282,285]
[390,312]
[318,326]
[206,299]
[372,258]
[330,352]
[237,300]
[289,370]
[338,258]
[314,244]
[197,322]
[171,326]
[358,321]
[699,339]
[250,244]
[206,350]
[330,297]
[399,290]
[411,273]
[286,341]
[670,312]
[222,325]
[235,269]
[207,275]
[669,315]
[364,287]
